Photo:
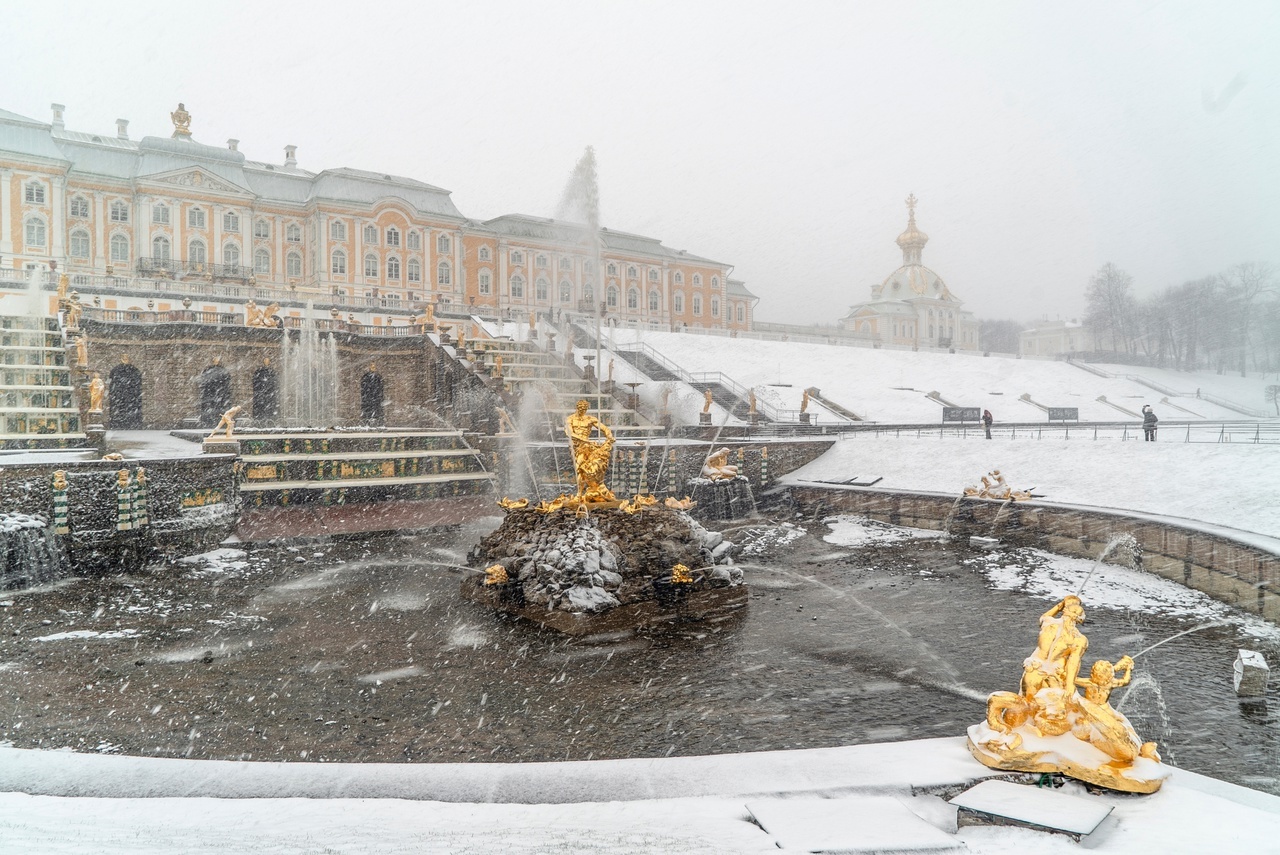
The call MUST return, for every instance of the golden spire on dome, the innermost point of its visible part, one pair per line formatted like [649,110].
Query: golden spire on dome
[912,240]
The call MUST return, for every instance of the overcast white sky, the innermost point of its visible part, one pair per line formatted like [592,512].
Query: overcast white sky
[1042,140]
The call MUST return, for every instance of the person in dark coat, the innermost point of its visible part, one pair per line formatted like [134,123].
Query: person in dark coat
[1148,423]
[987,419]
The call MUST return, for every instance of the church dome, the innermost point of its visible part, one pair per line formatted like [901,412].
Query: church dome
[913,280]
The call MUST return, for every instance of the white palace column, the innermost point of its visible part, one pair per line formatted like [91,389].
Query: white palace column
[101,252]
[6,212]
[59,204]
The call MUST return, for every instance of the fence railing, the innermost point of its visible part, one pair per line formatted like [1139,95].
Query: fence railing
[1167,390]
[1258,433]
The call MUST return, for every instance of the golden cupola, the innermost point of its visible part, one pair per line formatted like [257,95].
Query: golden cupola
[912,241]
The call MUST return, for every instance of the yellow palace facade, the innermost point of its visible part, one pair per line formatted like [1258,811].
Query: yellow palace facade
[169,222]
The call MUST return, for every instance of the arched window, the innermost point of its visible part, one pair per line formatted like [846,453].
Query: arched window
[231,254]
[542,289]
[540,262]
[517,286]
[196,253]
[655,301]
[371,266]
[517,257]
[160,248]
[414,268]
[119,212]
[677,303]
[79,207]
[612,269]
[393,263]
[566,263]
[633,298]
[160,213]
[371,235]
[36,233]
[293,233]
[697,280]
[566,292]
[443,244]
[231,222]
[444,274]
[79,244]
[653,274]
[119,248]
[631,272]
[293,264]
[484,255]
[715,281]
[262,229]
[486,282]
[195,218]
[393,236]
[337,230]
[338,263]
[261,262]
[588,294]
[679,278]
[33,193]
[413,240]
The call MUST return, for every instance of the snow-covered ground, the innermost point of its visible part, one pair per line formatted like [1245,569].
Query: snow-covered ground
[889,386]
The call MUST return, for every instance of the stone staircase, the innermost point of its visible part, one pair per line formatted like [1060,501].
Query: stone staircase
[37,393]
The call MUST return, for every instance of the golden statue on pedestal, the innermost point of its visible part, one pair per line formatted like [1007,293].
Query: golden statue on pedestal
[994,486]
[718,468]
[590,459]
[1047,726]
[228,421]
[96,390]
[181,121]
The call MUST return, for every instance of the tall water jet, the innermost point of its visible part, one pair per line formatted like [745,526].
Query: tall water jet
[309,376]
[580,202]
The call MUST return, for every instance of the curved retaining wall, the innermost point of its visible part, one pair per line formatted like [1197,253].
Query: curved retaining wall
[1236,567]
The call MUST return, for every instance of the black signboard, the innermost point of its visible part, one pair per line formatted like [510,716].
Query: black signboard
[1064,414]
[961,414]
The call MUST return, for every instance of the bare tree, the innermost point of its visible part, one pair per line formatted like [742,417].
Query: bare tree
[1273,397]
[1244,287]
[1110,307]
[999,336]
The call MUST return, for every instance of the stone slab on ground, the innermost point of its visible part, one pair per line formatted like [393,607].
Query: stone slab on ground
[851,824]
[1036,806]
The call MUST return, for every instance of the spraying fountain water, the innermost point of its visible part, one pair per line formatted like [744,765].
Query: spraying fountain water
[309,376]
[30,553]
[580,202]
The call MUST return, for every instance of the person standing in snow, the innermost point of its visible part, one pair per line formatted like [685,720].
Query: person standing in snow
[1148,423]
[987,419]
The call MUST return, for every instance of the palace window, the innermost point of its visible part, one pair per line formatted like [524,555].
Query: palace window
[542,289]
[715,308]
[33,193]
[338,231]
[653,275]
[486,282]
[611,297]
[119,212]
[566,292]
[195,218]
[677,303]
[35,232]
[633,298]
[293,233]
[119,248]
[261,262]
[393,236]
[588,294]
[371,266]
[742,314]
[79,206]
[79,244]
[655,301]
[231,254]
[293,265]
[631,272]
[697,280]
[444,274]
[371,235]
[715,281]
[679,278]
[444,245]
[697,305]
[517,257]
[517,286]
[393,266]
[160,214]
[338,263]
[612,269]
[413,240]
[413,269]
[483,255]
[566,263]
[160,248]
[540,262]
[262,229]
[231,222]
[588,266]
[196,253]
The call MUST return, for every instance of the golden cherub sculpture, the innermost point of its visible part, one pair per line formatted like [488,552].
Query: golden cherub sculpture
[228,421]
[590,459]
[1047,726]
[718,468]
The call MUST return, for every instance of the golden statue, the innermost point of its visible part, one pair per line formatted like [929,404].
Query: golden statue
[115,455]
[270,318]
[96,389]
[60,479]
[590,459]
[804,402]
[533,321]
[227,421]
[64,282]
[681,575]
[82,351]
[252,314]
[706,401]
[462,340]
[1047,726]
[513,504]
[181,121]
[751,400]
[497,365]
[610,370]
[679,504]
[994,486]
[74,311]
[718,468]
[495,574]
[426,316]
[638,503]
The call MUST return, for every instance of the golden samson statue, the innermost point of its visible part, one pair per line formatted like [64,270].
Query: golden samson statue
[590,458]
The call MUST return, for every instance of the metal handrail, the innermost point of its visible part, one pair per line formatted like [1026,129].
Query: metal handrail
[1166,390]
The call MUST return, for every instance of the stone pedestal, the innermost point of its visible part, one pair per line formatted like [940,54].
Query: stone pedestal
[97,434]
[221,446]
[704,419]
[1251,674]
[804,418]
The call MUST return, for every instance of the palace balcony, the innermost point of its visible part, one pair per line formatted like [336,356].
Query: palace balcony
[173,268]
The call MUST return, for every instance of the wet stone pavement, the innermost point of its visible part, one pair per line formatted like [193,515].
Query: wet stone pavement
[362,650]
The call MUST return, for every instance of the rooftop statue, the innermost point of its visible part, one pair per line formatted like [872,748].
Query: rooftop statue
[181,121]
[590,459]
[1047,726]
